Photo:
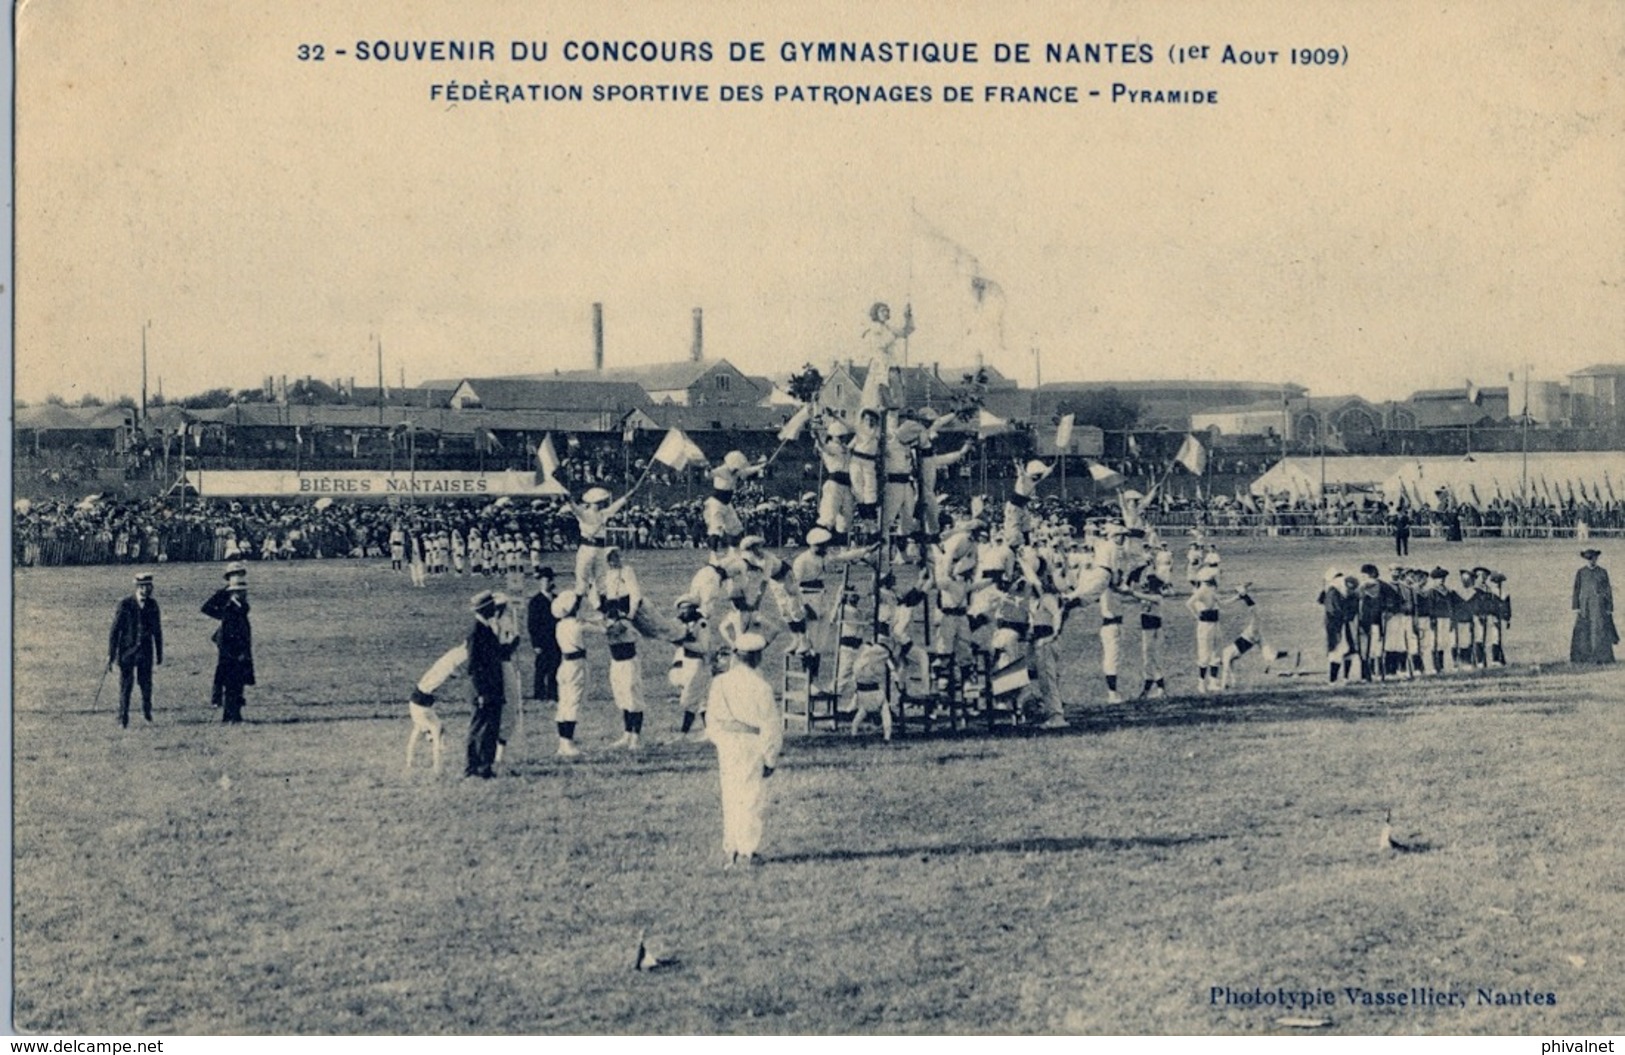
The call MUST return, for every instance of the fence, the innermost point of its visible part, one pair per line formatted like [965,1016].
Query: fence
[1291,525]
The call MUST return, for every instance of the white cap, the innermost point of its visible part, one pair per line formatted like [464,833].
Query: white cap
[750,642]
[595,494]
[565,603]
[818,536]
[735,460]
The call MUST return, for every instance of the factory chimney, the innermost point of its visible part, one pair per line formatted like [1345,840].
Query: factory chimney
[598,337]
[697,352]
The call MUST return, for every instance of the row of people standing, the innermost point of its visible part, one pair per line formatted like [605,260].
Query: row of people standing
[1413,621]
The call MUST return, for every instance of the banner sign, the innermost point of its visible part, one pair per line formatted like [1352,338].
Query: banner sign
[367,484]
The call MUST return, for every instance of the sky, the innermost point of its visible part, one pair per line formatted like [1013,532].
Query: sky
[1448,205]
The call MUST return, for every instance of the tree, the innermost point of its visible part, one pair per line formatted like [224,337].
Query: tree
[127,402]
[212,399]
[88,400]
[310,391]
[54,400]
[805,386]
[250,395]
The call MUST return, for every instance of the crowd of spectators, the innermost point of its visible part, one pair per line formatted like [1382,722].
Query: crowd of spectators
[168,529]
[161,530]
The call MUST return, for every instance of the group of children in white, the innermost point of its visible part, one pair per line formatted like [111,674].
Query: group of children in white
[950,615]
[446,550]
[953,616]
[946,616]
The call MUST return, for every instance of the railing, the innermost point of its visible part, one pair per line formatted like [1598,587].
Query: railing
[1302,525]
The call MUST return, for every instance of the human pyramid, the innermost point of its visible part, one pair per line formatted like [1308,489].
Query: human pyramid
[895,606]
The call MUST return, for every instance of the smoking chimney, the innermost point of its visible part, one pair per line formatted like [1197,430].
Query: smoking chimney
[697,352]
[598,337]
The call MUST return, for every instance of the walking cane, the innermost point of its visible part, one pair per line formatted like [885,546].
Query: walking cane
[96,701]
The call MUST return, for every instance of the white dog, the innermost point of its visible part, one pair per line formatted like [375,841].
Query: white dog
[425,723]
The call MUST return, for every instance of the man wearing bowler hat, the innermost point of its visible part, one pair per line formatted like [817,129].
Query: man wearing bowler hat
[234,641]
[136,644]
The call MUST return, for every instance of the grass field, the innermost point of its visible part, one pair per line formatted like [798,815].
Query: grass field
[286,876]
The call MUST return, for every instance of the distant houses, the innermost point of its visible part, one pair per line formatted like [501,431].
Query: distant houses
[502,417]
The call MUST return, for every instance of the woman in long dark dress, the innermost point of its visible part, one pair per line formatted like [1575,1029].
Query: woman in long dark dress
[1594,633]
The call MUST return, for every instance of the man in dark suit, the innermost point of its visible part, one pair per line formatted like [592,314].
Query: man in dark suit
[544,641]
[136,644]
[488,686]
[234,640]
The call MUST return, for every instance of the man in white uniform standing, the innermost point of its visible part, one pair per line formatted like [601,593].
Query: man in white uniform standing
[744,722]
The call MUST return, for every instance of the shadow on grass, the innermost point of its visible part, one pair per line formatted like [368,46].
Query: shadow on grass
[1360,701]
[1299,699]
[1038,845]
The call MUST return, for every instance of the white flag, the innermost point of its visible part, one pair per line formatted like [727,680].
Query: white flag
[798,421]
[1063,433]
[547,459]
[990,424]
[675,450]
[1192,455]
[1105,476]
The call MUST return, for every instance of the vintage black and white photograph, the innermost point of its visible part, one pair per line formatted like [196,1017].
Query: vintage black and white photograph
[881,519]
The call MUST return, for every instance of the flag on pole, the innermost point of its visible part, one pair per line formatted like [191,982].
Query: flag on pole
[629,432]
[677,451]
[1192,455]
[1063,433]
[1105,476]
[990,424]
[485,441]
[1609,480]
[1472,489]
[547,458]
[1133,446]
[798,421]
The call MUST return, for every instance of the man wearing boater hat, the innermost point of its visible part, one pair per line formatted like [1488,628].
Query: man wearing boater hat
[234,642]
[136,644]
